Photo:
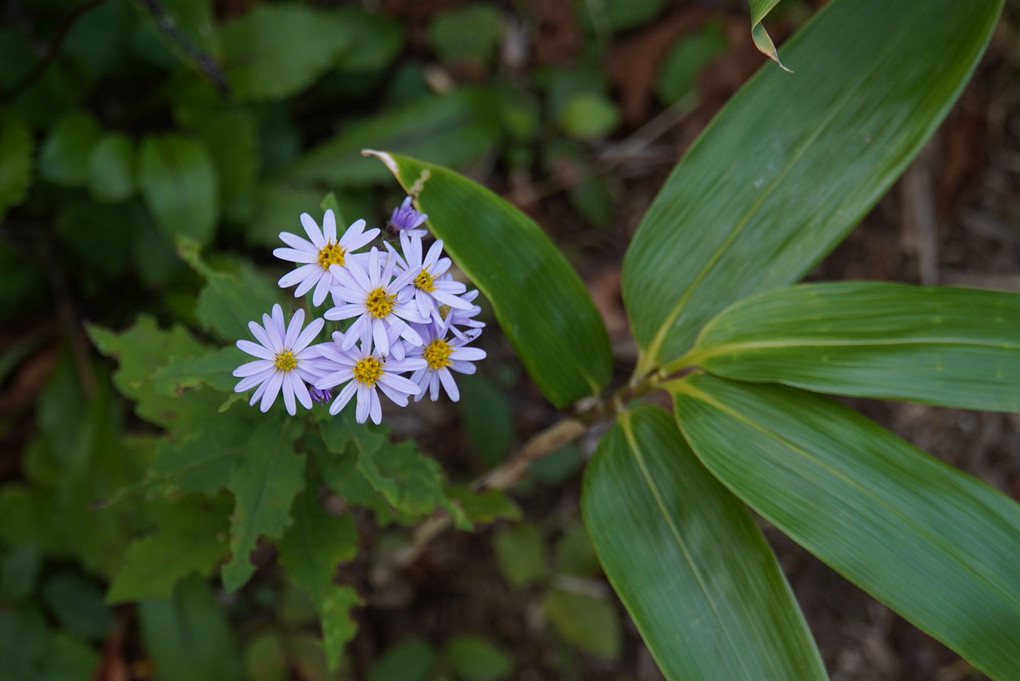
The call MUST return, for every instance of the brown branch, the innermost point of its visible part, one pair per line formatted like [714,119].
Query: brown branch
[512,471]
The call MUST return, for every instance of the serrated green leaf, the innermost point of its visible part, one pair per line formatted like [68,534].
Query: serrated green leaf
[936,545]
[759,199]
[761,38]
[338,627]
[452,129]
[191,538]
[474,658]
[592,624]
[520,552]
[264,482]
[64,157]
[230,299]
[540,302]
[275,51]
[188,637]
[202,458]
[214,369]
[316,544]
[16,160]
[112,169]
[411,482]
[939,345]
[688,561]
[310,551]
[338,465]
[178,181]
[140,351]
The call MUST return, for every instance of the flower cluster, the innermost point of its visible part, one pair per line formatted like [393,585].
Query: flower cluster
[407,324]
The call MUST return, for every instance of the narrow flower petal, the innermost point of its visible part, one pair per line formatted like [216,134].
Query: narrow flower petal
[343,398]
[252,368]
[306,336]
[287,388]
[446,378]
[272,389]
[364,403]
[329,226]
[255,349]
[312,230]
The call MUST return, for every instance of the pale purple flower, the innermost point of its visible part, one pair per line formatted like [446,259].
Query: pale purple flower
[364,374]
[285,362]
[405,220]
[431,287]
[368,291]
[315,257]
[441,355]
[456,317]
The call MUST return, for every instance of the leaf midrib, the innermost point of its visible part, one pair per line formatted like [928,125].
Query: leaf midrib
[628,433]
[847,96]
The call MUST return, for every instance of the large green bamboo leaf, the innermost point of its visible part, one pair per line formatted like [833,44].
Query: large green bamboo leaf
[688,561]
[934,544]
[950,346]
[541,303]
[792,162]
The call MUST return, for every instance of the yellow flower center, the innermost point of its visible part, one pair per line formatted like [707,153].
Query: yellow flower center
[285,361]
[437,354]
[425,282]
[379,303]
[331,254]
[368,371]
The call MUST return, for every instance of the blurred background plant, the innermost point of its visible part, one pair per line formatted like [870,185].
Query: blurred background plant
[129,128]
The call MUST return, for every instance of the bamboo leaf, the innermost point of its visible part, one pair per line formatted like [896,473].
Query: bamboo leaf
[688,562]
[791,164]
[934,544]
[948,346]
[540,302]
[761,38]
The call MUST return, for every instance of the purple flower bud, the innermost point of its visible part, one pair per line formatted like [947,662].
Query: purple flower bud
[319,395]
[406,219]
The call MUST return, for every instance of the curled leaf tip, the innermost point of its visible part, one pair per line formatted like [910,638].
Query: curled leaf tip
[382,156]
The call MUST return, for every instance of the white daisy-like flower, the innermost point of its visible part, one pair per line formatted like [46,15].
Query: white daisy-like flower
[285,362]
[368,291]
[365,373]
[431,287]
[315,257]
[442,355]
